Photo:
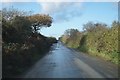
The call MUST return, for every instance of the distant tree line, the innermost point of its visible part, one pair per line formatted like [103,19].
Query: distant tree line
[22,43]
[96,39]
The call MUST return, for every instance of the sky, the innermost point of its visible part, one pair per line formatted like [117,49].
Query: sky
[67,15]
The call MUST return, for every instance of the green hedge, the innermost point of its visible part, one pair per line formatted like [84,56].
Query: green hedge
[97,39]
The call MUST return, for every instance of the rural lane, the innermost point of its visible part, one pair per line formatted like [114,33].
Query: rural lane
[63,62]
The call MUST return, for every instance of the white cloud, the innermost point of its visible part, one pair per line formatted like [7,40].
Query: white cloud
[58,6]
[59,0]
[5,0]
[61,11]
[78,0]
[18,1]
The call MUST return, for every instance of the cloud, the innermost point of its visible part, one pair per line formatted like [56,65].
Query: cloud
[59,0]
[62,11]
[78,0]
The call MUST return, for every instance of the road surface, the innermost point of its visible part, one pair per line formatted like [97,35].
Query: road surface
[62,62]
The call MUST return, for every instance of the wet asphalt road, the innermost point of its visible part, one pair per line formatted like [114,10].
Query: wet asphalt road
[62,62]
